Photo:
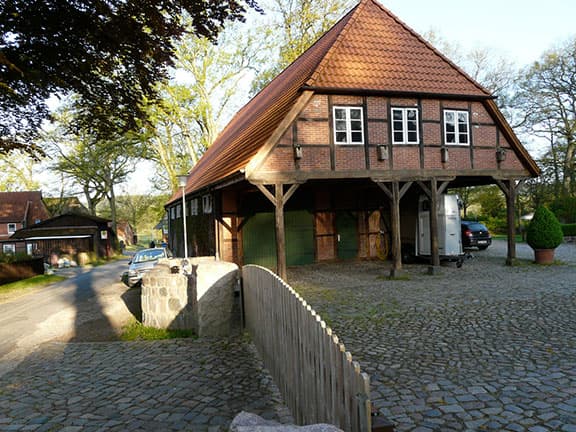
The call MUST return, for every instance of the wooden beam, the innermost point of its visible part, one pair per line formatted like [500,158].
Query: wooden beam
[425,189]
[405,188]
[510,189]
[279,199]
[290,192]
[442,188]
[270,143]
[396,238]
[267,193]
[434,250]
[220,219]
[280,233]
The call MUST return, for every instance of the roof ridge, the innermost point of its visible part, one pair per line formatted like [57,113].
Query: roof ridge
[430,46]
[354,12]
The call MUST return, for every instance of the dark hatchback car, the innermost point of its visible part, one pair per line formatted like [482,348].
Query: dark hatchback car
[475,234]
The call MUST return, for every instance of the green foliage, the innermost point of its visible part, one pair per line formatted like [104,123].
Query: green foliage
[135,330]
[492,201]
[546,96]
[564,208]
[569,230]
[12,258]
[496,225]
[16,172]
[110,52]
[294,27]
[544,230]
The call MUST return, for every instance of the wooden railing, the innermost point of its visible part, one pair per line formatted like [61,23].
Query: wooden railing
[316,376]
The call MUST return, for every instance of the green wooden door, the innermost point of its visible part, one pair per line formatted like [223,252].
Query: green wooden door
[299,237]
[347,235]
[259,239]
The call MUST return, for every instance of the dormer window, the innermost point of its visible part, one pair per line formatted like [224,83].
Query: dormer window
[11,228]
[348,125]
[456,127]
[405,128]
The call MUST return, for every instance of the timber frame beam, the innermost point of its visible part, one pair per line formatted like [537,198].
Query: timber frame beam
[395,194]
[510,189]
[279,198]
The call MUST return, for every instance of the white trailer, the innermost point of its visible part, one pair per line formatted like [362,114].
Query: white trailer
[449,231]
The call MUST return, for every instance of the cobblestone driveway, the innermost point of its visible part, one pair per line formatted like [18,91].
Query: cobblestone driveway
[484,347]
[171,385]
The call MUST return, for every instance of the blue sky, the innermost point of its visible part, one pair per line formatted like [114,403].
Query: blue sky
[520,30]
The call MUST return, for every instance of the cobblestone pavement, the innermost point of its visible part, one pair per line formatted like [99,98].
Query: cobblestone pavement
[481,348]
[172,385]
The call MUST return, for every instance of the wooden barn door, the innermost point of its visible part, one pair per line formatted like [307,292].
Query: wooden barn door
[347,235]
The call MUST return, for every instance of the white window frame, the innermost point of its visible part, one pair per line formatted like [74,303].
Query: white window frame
[11,228]
[9,248]
[456,123]
[207,204]
[348,122]
[194,207]
[404,126]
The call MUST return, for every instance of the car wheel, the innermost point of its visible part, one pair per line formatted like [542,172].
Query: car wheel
[482,247]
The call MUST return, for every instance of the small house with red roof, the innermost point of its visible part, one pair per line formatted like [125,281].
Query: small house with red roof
[343,142]
[19,210]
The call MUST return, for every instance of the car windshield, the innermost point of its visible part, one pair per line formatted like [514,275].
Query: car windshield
[148,255]
[477,227]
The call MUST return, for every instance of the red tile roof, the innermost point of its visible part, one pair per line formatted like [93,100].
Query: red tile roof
[19,207]
[369,49]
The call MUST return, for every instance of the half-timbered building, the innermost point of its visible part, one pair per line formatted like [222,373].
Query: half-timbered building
[341,145]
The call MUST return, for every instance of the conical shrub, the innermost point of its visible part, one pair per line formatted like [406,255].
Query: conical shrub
[544,230]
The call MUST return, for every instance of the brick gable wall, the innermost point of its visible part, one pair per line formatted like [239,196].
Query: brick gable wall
[313,132]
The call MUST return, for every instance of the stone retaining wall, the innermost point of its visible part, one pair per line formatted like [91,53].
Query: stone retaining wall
[199,296]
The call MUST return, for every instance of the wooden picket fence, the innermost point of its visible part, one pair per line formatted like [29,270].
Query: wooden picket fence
[315,374]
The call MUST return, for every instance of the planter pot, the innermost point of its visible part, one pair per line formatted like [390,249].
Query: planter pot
[544,256]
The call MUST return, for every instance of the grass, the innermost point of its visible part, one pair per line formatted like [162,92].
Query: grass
[31,282]
[24,286]
[136,331]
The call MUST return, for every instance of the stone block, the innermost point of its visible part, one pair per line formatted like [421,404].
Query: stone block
[247,422]
[199,297]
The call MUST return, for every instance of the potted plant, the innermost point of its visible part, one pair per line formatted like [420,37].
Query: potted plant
[544,234]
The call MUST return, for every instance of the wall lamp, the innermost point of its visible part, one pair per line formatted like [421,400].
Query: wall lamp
[297,151]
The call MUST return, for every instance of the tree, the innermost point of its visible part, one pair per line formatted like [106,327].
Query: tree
[96,165]
[16,172]
[291,28]
[496,73]
[188,117]
[547,96]
[112,53]
[143,212]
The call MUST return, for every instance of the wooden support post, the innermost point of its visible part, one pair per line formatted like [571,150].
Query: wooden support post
[509,188]
[396,237]
[434,250]
[395,195]
[279,199]
[280,233]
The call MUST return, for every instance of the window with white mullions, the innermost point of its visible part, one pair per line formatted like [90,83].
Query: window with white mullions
[405,128]
[456,127]
[348,125]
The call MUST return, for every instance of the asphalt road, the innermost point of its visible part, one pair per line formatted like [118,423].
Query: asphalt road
[60,309]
